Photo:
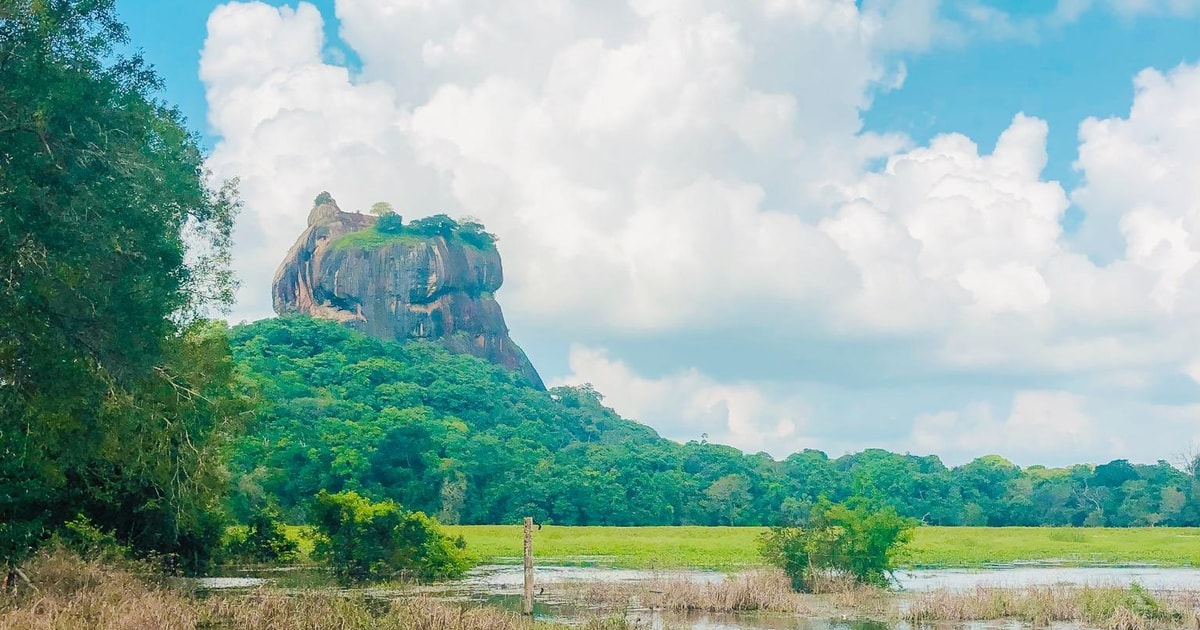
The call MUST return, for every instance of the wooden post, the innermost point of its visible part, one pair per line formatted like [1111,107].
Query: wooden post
[529,565]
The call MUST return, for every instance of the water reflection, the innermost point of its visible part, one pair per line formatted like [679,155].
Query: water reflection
[501,586]
[1153,578]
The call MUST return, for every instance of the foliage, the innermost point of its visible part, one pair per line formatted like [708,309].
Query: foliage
[434,225]
[115,244]
[474,235]
[367,540]
[389,223]
[455,436]
[82,537]
[849,539]
[323,198]
[731,548]
[372,238]
[262,539]
[390,228]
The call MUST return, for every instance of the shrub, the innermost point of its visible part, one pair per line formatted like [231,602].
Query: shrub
[436,225]
[363,540]
[323,198]
[91,543]
[838,540]
[473,234]
[389,223]
[262,539]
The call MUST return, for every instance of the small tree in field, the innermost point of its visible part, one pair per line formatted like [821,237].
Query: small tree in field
[364,540]
[849,540]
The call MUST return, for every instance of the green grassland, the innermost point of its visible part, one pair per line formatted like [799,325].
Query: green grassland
[371,238]
[728,548]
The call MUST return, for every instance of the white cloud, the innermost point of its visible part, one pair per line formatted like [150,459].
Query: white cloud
[687,405]
[1042,425]
[1069,10]
[698,170]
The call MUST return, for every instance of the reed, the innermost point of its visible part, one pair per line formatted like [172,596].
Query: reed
[73,593]
[761,590]
[765,590]
[1114,608]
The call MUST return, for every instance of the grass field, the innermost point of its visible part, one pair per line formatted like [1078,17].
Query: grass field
[734,547]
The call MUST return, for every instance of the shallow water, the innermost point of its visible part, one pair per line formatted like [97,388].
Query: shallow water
[1153,578]
[501,585]
[503,576]
[500,578]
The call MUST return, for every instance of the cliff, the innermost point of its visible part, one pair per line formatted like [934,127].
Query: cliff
[399,286]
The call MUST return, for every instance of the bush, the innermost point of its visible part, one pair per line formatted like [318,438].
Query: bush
[848,540]
[82,537]
[262,539]
[436,225]
[363,540]
[389,223]
[323,198]
[473,234]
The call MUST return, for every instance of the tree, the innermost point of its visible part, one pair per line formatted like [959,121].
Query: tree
[262,539]
[389,223]
[852,540]
[363,540]
[435,225]
[380,208]
[115,244]
[473,233]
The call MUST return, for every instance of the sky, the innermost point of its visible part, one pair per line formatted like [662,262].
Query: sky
[953,228]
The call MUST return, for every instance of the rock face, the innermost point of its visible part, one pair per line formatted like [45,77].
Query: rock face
[408,288]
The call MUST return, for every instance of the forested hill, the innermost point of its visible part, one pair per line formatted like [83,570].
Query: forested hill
[460,438]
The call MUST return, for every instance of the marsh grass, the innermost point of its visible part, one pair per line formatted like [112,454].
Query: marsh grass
[759,590]
[1113,608]
[73,594]
[764,590]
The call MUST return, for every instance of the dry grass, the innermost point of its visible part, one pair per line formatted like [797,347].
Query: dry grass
[74,594]
[1105,607]
[763,590]
[760,590]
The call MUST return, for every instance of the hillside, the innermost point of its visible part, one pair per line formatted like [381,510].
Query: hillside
[471,442]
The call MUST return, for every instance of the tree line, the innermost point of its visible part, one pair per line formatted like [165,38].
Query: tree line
[455,436]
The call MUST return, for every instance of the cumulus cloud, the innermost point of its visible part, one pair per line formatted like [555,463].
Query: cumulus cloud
[689,405]
[667,170]
[1042,423]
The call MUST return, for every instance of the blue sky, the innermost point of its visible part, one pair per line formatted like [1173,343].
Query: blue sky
[1065,75]
[764,220]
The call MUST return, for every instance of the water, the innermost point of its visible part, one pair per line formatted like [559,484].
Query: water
[223,583]
[498,579]
[505,576]
[1153,578]
[502,585]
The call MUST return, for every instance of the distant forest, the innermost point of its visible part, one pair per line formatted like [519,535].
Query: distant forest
[461,439]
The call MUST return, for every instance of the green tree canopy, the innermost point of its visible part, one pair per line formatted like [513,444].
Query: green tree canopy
[851,539]
[114,245]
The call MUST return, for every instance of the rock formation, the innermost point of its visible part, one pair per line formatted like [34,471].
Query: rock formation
[409,287]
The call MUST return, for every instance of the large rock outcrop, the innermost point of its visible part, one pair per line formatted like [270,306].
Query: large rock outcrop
[427,287]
